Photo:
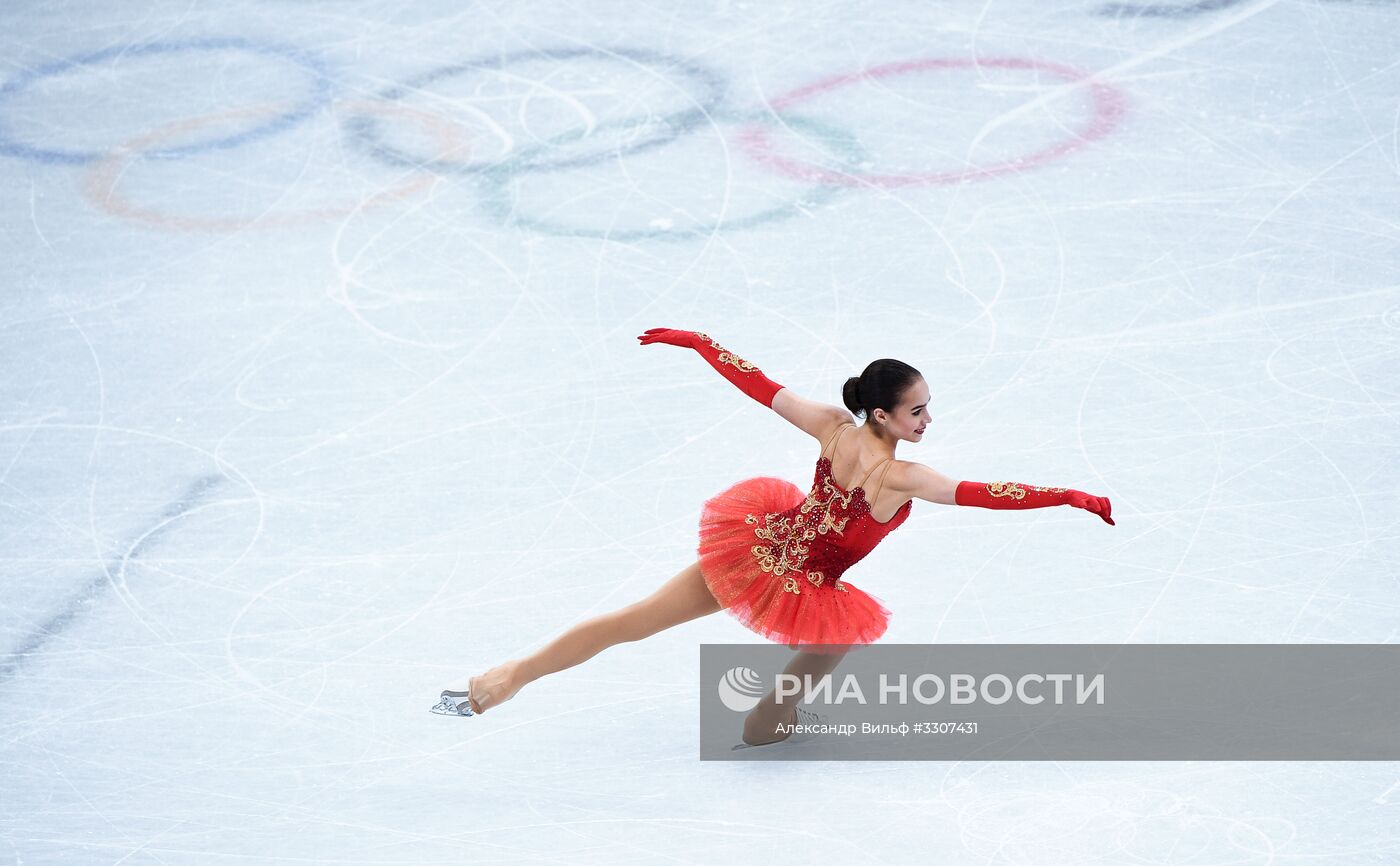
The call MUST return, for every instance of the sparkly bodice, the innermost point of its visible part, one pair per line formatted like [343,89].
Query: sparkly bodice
[858,504]
[823,535]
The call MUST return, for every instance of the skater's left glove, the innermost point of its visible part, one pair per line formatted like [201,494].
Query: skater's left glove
[745,376]
[1010,494]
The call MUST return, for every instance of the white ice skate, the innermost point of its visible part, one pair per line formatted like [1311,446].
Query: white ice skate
[454,704]
[804,717]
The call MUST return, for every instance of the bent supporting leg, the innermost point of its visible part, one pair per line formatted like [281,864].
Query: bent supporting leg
[764,722]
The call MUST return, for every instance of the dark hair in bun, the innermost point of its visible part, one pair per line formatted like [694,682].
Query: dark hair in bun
[879,386]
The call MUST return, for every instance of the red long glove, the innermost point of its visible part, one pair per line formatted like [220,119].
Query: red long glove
[1009,494]
[745,376]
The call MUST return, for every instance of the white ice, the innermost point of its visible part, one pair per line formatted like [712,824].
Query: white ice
[300,427]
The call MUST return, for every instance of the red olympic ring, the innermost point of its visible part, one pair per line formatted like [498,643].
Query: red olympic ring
[99,184]
[1109,103]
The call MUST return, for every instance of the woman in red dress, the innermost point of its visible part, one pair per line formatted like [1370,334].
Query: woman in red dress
[774,556]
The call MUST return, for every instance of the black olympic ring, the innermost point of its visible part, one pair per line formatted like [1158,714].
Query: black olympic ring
[366,131]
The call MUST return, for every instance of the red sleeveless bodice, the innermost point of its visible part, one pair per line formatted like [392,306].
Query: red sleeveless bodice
[774,557]
[829,531]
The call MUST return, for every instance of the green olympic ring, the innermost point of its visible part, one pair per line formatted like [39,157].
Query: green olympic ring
[495,185]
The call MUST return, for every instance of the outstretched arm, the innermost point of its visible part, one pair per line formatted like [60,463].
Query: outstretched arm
[810,416]
[936,487]
[744,376]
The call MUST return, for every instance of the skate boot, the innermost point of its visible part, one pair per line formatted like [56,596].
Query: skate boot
[804,717]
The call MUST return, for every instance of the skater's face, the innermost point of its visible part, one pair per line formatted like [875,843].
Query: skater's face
[909,418]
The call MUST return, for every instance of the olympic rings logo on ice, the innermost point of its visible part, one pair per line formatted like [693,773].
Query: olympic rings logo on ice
[1108,109]
[294,114]
[495,181]
[100,184]
[654,131]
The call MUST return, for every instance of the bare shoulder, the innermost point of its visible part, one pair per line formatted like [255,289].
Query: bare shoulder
[816,419]
[919,481]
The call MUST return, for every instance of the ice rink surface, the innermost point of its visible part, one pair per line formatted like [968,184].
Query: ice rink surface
[321,391]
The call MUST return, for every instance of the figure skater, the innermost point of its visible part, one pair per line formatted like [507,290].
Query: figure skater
[776,557]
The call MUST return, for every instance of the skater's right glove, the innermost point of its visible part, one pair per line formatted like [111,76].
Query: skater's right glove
[745,376]
[1010,494]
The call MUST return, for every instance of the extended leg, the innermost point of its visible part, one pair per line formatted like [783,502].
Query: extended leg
[680,599]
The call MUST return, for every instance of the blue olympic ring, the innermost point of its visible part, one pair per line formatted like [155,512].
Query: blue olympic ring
[365,130]
[296,114]
[842,144]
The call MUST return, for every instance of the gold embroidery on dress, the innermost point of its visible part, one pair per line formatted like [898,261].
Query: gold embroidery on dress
[788,536]
[728,357]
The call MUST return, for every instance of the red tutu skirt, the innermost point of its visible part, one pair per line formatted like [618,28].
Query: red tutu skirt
[821,616]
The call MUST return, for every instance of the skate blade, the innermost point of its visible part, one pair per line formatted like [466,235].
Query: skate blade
[738,746]
[448,706]
[806,716]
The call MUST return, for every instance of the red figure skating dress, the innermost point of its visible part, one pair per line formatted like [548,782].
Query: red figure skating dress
[774,557]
